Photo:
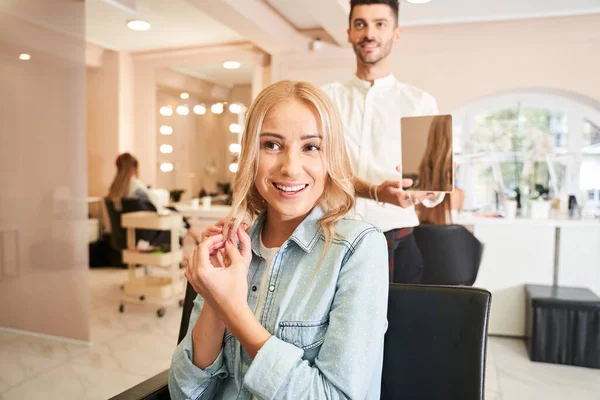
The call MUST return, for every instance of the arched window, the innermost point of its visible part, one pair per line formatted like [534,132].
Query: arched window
[528,143]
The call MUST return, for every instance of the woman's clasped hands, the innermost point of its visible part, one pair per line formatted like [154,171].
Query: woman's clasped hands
[217,270]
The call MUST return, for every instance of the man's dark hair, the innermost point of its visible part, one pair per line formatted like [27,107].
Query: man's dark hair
[393,4]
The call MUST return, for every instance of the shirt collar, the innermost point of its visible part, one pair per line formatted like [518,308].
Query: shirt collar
[386,81]
[305,236]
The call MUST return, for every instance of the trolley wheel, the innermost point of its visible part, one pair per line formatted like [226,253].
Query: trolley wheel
[180,303]
[121,308]
[161,312]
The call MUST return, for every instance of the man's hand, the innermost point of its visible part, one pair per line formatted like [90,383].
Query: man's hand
[392,192]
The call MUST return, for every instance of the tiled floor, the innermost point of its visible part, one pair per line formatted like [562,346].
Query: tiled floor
[127,348]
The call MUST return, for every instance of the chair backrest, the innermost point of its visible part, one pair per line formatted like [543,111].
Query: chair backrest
[435,345]
[451,254]
[117,233]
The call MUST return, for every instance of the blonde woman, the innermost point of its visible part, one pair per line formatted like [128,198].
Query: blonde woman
[299,310]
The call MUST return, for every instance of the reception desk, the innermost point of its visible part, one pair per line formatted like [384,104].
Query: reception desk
[525,251]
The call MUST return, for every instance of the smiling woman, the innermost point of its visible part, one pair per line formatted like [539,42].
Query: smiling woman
[315,317]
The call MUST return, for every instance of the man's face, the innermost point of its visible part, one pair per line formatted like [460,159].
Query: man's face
[373,31]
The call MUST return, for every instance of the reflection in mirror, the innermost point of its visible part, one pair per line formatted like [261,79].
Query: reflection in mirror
[427,156]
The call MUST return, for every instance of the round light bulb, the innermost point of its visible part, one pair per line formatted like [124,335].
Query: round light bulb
[166,149]
[231,65]
[166,130]
[235,148]
[183,110]
[184,96]
[217,108]
[138,25]
[199,109]
[233,167]
[166,167]
[235,108]
[235,128]
[166,111]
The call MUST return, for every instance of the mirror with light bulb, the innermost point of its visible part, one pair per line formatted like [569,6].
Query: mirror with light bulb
[200,114]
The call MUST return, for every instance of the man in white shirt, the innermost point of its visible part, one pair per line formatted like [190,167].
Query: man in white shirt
[371,106]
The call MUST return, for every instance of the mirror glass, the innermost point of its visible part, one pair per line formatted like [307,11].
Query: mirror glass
[427,156]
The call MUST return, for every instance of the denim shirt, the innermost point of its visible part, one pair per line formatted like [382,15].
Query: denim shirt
[327,319]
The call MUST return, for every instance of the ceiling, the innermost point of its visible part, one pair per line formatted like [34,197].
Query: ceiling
[175,23]
[455,11]
[215,73]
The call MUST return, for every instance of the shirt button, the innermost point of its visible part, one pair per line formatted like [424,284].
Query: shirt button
[254,288]
[271,288]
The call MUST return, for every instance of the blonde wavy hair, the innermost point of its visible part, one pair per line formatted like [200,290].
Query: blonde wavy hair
[338,195]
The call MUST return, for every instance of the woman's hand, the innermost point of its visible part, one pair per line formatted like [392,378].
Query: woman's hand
[218,272]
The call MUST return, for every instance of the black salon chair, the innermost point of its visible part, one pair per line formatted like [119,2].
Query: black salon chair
[435,345]
[436,342]
[451,254]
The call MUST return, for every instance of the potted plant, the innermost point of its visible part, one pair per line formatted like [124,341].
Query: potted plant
[176,194]
[540,206]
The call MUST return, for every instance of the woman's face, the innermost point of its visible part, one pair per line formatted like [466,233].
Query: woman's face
[291,171]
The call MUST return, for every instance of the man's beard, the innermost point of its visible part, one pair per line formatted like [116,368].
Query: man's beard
[385,49]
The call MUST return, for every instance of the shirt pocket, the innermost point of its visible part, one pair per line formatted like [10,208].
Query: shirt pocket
[309,336]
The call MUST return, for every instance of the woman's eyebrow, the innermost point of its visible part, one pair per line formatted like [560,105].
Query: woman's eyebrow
[313,136]
[275,135]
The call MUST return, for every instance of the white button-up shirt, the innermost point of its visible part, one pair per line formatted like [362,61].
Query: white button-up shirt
[371,117]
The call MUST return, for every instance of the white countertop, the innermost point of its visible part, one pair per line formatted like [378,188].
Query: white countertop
[214,212]
[555,221]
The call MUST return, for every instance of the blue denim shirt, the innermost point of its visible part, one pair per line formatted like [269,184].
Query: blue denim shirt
[328,322]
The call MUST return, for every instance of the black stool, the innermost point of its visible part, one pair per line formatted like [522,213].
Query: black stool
[563,325]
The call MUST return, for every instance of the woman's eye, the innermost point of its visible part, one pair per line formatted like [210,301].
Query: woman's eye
[312,147]
[271,145]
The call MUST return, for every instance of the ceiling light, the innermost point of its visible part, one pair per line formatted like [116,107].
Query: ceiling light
[184,96]
[24,57]
[166,130]
[231,65]
[235,128]
[183,110]
[217,108]
[233,167]
[235,148]
[138,25]
[199,109]
[235,108]
[166,167]
[418,1]
[166,149]
[166,111]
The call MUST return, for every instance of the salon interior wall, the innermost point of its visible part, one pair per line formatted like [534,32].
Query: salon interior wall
[43,209]
[458,63]
[109,114]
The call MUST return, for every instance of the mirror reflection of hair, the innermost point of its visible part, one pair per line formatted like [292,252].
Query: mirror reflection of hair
[427,143]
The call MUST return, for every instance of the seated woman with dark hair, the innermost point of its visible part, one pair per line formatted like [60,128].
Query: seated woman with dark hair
[127,184]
